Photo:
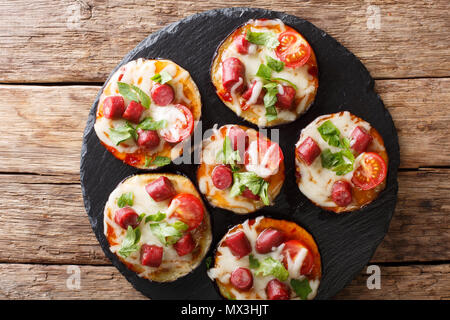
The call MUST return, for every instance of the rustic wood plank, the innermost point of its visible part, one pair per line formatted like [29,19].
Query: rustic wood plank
[71,41]
[50,120]
[51,210]
[24,281]
[415,282]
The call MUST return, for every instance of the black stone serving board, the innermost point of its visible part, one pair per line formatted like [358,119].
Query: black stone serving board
[346,241]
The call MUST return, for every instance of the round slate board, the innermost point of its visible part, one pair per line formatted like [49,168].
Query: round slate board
[346,241]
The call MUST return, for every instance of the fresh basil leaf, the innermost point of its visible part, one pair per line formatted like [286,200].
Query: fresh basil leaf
[125,199]
[250,180]
[123,133]
[270,266]
[127,92]
[162,77]
[264,72]
[143,97]
[336,162]
[130,242]
[228,155]
[274,64]
[155,217]
[254,263]
[268,39]
[301,288]
[330,133]
[160,161]
[270,99]
[141,217]
[149,124]
[166,233]
[285,80]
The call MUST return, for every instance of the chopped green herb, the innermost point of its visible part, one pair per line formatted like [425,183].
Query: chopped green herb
[254,263]
[228,155]
[264,72]
[208,262]
[284,80]
[149,124]
[301,288]
[130,242]
[141,217]
[134,93]
[166,233]
[274,64]
[143,97]
[253,182]
[270,99]
[123,133]
[159,161]
[268,39]
[162,77]
[270,266]
[125,199]
[155,217]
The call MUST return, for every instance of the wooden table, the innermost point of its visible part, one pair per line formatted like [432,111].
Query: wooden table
[54,56]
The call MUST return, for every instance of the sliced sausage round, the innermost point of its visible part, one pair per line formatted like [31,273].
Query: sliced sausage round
[242,279]
[277,290]
[241,44]
[113,107]
[125,217]
[133,112]
[151,255]
[360,139]
[286,99]
[308,151]
[247,193]
[238,244]
[160,189]
[162,94]
[232,70]
[222,177]
[268,239]
[148,139]
[341,193]
[185,245]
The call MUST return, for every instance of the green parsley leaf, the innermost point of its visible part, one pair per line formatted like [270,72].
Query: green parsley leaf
[274,64]
[270,99]
[264,72]
[228,155]
[166,233]
[284,80]
[162,77]
[155,217]
[149,124]
[270,266]
[254,263]
[253,182]
[301,288]
[127,92]
[130,243]
[159,161]
[123,133]
[125,199]
[268,39]
[330,133]
[143,97]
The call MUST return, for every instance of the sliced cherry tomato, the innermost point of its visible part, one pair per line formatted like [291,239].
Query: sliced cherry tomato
[371,171]
[182,129]
[269,157]
[291,249]
[292,50]
[189,209]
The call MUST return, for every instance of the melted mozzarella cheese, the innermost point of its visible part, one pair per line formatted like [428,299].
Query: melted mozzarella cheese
[226,263]
[316,182]
[142,203]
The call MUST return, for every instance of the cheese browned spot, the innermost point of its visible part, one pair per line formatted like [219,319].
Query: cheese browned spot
[225,262]
[139,73]
[222,198]
[316,182]
[173,266]
[304,77]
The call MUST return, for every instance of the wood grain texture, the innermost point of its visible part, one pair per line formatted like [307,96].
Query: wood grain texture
[49,120]
[24,281]
[73,41]
[42,220]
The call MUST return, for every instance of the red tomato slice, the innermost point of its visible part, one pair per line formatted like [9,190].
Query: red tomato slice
[188,209]
[183,128]
[292,50]
[269,156]
[292,248]
[371,172]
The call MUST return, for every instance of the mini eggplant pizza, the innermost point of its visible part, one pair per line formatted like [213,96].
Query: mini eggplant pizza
[267,259]
[241,169]
[341,162]
[145,110]
[266,72]
[157,225]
